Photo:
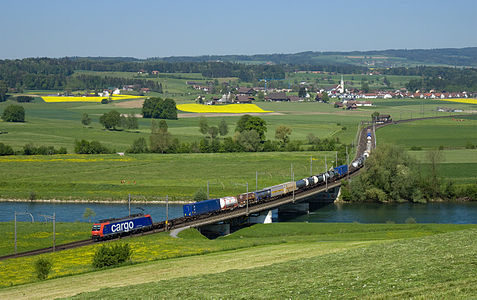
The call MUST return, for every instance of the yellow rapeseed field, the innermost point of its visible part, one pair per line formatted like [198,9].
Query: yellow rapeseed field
[462,100]
[86,99]
[229,108]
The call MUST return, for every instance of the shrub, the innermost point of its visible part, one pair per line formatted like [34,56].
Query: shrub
[416,148]
[43,268]
[93,147]
[14,113]
[104,101]
[200,195]
[139,146]
[106,256]
[6,150]
[24,99]
[410,220]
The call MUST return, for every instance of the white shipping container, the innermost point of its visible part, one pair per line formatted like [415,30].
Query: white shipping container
[228,202]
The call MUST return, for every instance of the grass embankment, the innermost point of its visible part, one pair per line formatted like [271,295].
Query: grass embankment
[150,176]
[31,236]
[270,261]
[437,267]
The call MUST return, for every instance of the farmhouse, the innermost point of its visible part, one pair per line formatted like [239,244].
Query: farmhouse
[244,99]
[245,91]
[282,96]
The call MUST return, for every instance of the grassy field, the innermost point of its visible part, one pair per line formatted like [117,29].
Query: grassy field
[459,164]
[301,257]
[449,132]
[38,235]
[179,176]
[437,267]
[58,124]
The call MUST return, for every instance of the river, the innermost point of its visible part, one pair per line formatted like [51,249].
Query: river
[455,213]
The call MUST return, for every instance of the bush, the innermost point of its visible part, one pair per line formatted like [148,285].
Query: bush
[104,101]
[113,255]
[43,268]
[139,146]
[14,113]
[200,195]
[30,149]
[410,220]
[416,148]
[93,147]
[5,150]
[24,99]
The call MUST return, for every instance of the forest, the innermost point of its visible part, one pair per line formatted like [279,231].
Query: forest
[53,74]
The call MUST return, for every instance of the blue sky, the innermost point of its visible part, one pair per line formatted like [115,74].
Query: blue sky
[146,28]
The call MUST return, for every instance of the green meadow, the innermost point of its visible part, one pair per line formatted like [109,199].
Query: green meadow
[307,259]
[31,236]
[150,176]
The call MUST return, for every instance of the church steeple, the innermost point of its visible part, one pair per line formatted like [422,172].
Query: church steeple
[342,89]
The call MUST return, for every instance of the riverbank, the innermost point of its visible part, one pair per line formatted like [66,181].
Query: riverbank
[81,201]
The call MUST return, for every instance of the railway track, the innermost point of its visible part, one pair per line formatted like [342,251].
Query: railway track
[210,219]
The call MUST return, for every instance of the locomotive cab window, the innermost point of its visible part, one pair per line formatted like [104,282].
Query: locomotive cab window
[96,227]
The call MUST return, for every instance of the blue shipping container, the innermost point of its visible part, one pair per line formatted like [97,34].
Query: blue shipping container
[201,207]
[342,170]
[127,225]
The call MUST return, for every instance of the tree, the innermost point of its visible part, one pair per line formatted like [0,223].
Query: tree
[364,86]
[129,122]
[213,132]
[111,120]
[324,97]
[375,115]
[282,133]
[249,140]
[203,125]
[386,82]
[88,213]
[6,150]
[169,110]
[158,108]
[3,91]
[200,195]
[251,123]
[85,119]
[14,113]
[302,92]
[433,180]
[389,176]
[223,128]
[138,146]
[160,140]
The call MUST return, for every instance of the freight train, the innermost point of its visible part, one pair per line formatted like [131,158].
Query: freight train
[212,206]
[112,228]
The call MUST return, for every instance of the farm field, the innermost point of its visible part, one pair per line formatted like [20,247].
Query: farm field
[343,252]
[150,176]
[31,236]
[460,165]
[450,133]
[58,124]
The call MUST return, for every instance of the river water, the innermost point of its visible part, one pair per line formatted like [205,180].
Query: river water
[455,213]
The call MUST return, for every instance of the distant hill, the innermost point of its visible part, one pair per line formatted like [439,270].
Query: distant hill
[462,57]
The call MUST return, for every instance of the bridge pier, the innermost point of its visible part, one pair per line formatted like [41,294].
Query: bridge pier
[264,217]
[215,230]
[294,208]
